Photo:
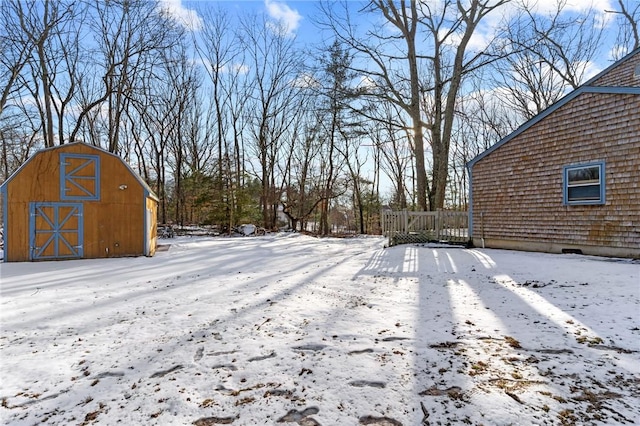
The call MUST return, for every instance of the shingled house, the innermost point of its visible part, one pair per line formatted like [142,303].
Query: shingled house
[568,180]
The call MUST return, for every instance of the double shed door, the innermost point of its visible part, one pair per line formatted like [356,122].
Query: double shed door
[56,231]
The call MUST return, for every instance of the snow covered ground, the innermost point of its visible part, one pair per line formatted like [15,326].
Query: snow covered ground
[295,330]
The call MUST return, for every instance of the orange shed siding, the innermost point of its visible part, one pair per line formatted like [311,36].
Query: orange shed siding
[114,225]
[152,225]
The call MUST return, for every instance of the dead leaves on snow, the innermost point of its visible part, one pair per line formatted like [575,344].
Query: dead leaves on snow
[503,364]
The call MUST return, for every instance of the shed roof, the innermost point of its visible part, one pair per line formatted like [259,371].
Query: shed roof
[102,151]
[584,88]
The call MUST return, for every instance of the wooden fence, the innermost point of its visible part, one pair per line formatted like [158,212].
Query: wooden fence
[403,227]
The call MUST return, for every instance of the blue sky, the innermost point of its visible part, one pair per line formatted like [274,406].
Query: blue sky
[294,13]
[298,15]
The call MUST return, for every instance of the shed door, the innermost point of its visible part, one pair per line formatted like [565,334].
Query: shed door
[56,230]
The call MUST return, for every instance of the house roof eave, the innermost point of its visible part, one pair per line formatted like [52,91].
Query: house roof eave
[550,110]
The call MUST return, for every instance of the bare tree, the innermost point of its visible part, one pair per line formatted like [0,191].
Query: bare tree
[483,118]
[17,145]
[274,66]
[355,158]
[548,55]
[182,86]
[48,31]
[303,191]
[392,142]
[628,37]
[163,108]
[403,71]
[131,37]
[450,29]
[389,55]
[218,48]
[14,49]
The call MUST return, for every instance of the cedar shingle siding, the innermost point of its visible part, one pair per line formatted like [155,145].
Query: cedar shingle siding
[517,185]
[621,75]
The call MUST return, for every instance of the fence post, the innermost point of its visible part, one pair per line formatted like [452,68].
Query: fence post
[405,224]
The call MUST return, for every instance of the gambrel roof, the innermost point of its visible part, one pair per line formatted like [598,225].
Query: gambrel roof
[138,178]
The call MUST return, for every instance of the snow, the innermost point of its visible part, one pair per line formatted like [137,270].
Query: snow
[292,329]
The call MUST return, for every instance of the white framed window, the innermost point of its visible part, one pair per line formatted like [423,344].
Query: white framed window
[584,184]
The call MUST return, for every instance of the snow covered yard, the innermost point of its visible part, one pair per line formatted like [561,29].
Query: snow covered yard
[295,330]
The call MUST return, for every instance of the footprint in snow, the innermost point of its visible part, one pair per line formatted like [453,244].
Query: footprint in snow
[109,374]
[301,417]
[434,391]
[229,367]
[362,351]
[221,353]
[279,392]
[378,421]
[210,421]
[394,339]
[312,347]
[262,358]
[199,353]
[364,383]
[163,373]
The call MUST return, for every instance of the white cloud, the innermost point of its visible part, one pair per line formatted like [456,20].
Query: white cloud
[188,18]
[591,69]
[305,80]
[366,82]
[547,6]
[282,13]
[240,68]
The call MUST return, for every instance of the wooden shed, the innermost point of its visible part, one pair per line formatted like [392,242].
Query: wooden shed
[567,180]
[77,201]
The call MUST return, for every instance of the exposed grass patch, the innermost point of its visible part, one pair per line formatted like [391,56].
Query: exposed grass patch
[478,368]
[512,342]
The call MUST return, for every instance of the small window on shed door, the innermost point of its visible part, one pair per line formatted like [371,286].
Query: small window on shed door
[79,177]
[584,184]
